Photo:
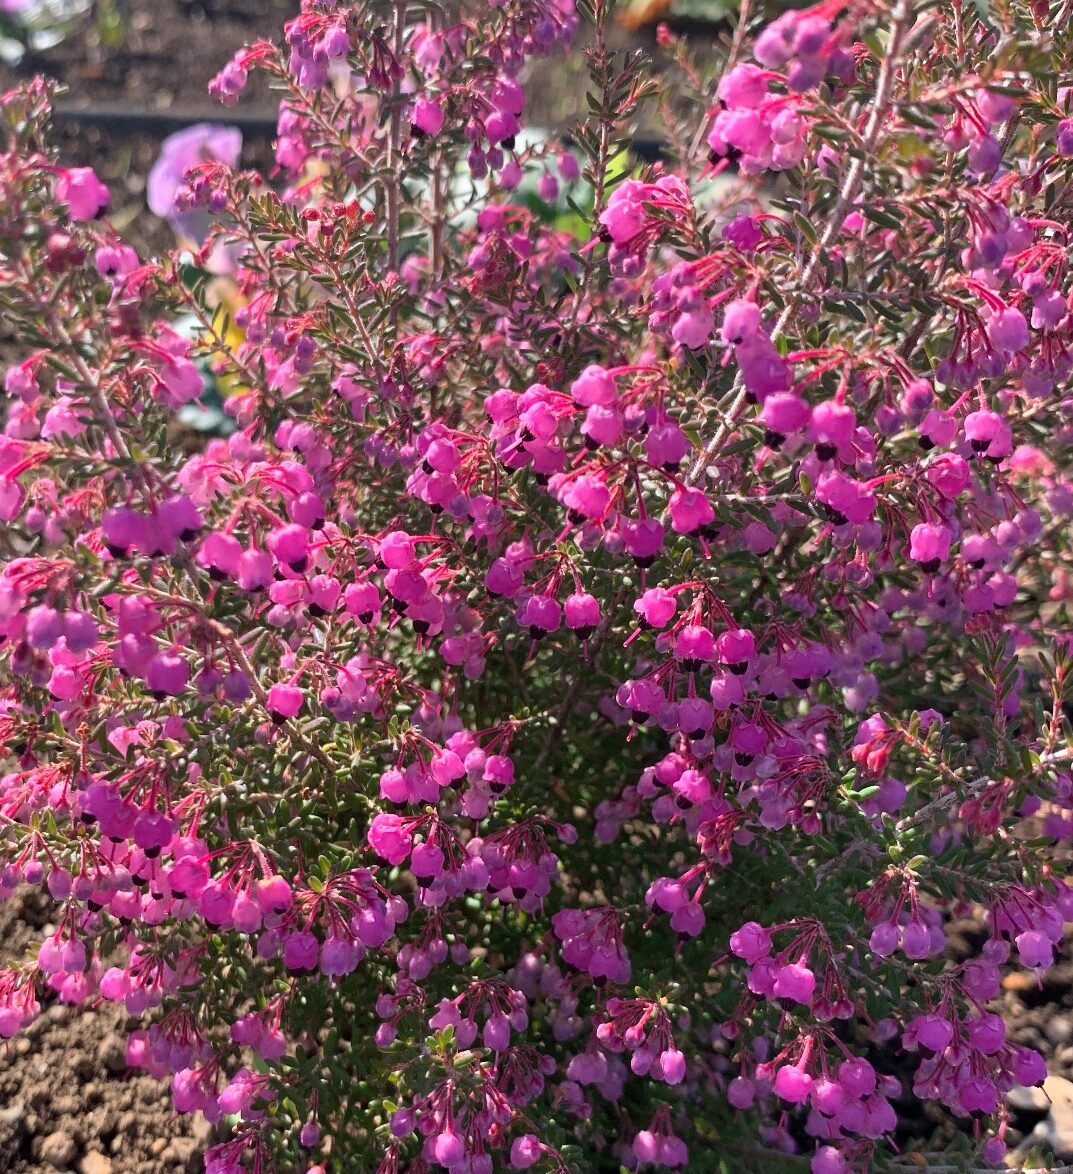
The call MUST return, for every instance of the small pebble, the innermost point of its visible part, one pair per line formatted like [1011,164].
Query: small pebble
[59,1150]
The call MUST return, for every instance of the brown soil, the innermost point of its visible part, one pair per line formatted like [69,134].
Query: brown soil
[67,1099]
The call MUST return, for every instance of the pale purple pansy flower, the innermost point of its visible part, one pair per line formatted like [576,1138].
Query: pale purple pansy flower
[201,143]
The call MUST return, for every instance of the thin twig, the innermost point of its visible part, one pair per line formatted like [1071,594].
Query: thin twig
[598,56]
[394,145]
[438,219]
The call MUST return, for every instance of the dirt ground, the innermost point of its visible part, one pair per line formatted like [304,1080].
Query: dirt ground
[67,1098]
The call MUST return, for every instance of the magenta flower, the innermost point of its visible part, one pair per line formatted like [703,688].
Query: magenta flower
[792,1084]
[284,702]
[83,193]
[1065,138]
[1007,330]
[1034,949]
[929,545]
[427,117]
[795,981]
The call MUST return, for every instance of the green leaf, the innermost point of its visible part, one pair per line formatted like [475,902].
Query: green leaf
[806,229]
[877,216]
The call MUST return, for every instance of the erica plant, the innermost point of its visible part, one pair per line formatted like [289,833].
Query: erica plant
[554,729]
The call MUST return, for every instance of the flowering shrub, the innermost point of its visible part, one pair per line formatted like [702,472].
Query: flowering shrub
[551,731]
